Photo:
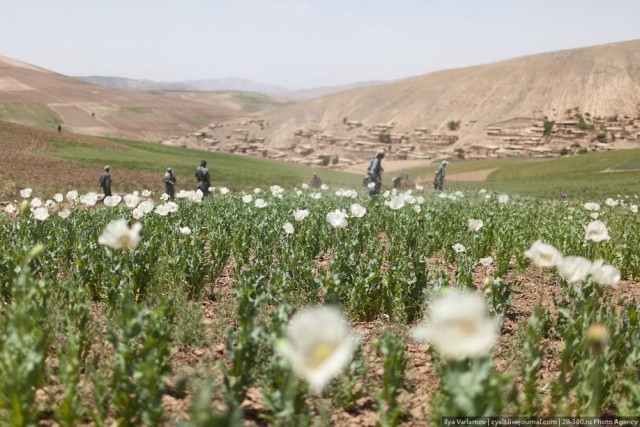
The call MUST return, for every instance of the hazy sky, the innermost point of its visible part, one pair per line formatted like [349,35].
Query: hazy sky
[298,43]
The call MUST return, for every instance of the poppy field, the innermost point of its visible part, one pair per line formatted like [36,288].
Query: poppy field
[316,307]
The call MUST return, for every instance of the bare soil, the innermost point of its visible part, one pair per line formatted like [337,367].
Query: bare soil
[21,163]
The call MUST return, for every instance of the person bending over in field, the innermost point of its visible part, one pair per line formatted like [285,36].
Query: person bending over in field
[203,177]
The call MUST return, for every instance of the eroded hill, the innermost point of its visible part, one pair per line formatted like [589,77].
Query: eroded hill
[541,105]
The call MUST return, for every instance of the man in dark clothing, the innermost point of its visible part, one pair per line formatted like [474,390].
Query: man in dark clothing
[105,181]
[170,183]
[59,128]
[203,177]
[316,182]
[373,179]
[439,179]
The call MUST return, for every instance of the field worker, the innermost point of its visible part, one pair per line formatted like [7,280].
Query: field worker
[203,177]
[59,128]
[373,179]
[316,182]
[170,183]
[105,181]
[439,180]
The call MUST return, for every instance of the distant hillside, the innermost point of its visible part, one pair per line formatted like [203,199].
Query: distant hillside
[223,84]
[38,97]
[548,104]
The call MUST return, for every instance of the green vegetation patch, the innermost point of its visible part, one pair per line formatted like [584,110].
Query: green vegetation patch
[581,176]
[229,170]
[29,113]
[631,164]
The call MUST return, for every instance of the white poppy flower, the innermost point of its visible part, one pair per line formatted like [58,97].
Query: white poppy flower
[543,254]
[58,197]
[503,198]
[164,197]
[72,195]
[247,198]
[459,248]
[395,203]
[482,191]
[386,194]
[371,185]
[316,196]
[49,203]
[41,214]
[162,210]
[337,218]
[260,203]
[459,326]
[184,194]
[304,186]
[64,214]
[442,196]
[117,235]
[319,345]
[324,187]
[112,201]
[131,200]
[288,228]
[420,200]
[596,231]
[224,190]
[452,197]
[475,224]
[185,230]
[10,208]
[35,202]
[171,207]
[276,189]
[419,187]
[487,261]
[146,193]
[634,208]
[256,190]
[137,213]
[212,189]
[146,206]
[611,202]
[357,210]
[89,199]
[26,193]
[196,196]
[298,193]
[574,268]
[606,275]
[409,199]
[487,196]
[590,206]
[594,215]
[300,214]
[417,208]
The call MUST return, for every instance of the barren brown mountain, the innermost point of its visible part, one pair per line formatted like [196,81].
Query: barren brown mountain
[592,96]
[35,96]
